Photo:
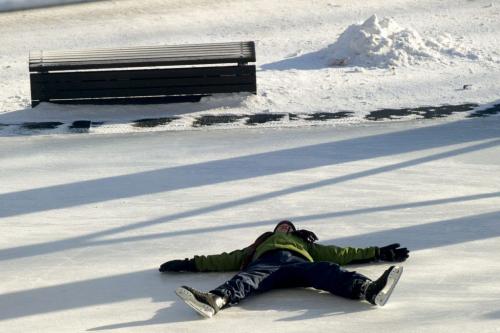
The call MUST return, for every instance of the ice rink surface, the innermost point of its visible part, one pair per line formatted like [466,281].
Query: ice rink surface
[87,220]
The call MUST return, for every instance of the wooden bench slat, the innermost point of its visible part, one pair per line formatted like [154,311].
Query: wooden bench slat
[244,52]
[147,48]
[145,63]
[156,83]
[132,54]
[145,73]
[167,56]
[241,49]
[154,91]
[142,62]
[136,80]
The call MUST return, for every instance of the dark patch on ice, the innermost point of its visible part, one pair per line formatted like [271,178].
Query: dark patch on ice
[262,118]
[426,112]
[495,109]
[322,116]
[81,124]
[153,122]
[209,120]
[47,125]
[293,116]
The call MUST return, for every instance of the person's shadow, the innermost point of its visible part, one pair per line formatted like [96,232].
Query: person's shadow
[311,303]
[173,314]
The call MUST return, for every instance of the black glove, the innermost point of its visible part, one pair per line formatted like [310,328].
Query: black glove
[306,235]
[393,252]
[186,265]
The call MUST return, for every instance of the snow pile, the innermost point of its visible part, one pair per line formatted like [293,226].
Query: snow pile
[384,43]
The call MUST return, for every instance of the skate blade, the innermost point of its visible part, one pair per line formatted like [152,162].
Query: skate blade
[188,298]
[392,280]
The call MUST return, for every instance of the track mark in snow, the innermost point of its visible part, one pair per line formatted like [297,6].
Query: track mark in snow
[262,118]
[153,122]
[427,112]
[209,120]
[495,109]
[322,116]
[47,125]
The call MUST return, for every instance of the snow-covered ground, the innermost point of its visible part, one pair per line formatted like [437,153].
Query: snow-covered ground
[87,218]
[388,54]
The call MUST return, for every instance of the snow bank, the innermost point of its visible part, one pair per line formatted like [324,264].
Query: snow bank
[384,43]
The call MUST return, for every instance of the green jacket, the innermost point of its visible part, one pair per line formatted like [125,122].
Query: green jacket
[313,252]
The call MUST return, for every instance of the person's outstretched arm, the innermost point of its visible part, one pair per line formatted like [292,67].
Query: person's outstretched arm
[352,255]
[212,263]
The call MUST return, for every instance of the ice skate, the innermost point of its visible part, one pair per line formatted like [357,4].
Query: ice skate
[378,292]
[206,304]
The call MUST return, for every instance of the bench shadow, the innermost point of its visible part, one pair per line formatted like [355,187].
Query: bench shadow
[494,315]
[12,6]
[431,235]
[111,289]
[308,61]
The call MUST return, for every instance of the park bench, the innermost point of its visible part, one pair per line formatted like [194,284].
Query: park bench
[125,74]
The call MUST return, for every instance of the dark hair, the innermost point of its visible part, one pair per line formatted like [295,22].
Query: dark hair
[285,222]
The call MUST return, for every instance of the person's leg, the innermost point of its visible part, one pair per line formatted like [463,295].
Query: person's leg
[237,288]
[251,279]
[320,275]
[336,280]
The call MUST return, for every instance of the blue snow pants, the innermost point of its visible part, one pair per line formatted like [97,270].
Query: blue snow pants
[286,269]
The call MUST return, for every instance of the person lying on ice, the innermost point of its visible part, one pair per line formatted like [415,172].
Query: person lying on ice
[289,258]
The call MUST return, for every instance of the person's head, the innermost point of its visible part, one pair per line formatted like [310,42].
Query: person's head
[285,227]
